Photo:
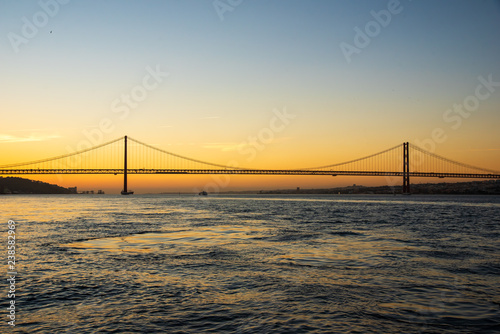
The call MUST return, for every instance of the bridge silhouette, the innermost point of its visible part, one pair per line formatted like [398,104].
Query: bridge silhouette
[126,155]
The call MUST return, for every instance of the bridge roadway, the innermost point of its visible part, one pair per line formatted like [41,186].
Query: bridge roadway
[245,172]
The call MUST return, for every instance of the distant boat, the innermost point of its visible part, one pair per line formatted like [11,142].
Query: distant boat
[127,192]
[203,193]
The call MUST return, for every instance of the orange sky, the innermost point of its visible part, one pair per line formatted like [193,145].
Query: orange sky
[193,84]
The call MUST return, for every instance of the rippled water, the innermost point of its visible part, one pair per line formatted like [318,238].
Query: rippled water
[255,264]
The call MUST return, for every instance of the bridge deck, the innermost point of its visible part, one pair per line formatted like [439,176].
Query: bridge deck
[244,172]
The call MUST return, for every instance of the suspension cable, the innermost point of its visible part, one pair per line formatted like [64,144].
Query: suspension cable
[452,161]
[185,158]
[61,156]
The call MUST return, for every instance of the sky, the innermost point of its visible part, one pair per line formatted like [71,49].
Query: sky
[199,78]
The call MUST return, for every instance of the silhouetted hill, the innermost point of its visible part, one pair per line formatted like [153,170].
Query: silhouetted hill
[17,185]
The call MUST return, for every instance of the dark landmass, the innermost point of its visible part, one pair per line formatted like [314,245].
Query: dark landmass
[17,185]
[460,188]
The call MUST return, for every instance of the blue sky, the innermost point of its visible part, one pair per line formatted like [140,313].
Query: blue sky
[226,76]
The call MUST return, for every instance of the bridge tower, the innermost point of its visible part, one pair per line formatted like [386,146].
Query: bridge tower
[125,191]
[406,168]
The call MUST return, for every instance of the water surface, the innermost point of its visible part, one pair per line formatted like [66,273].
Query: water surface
[256,264]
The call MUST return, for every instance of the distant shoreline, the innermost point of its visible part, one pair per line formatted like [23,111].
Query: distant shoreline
[491,187]
[20,186]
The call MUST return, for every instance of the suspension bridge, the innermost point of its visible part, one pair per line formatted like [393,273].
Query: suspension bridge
[126,155]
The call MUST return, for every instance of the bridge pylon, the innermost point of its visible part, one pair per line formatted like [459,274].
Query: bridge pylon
[406,168]
[125,190]
[156,161]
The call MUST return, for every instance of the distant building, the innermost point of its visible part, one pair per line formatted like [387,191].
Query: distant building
[74,190]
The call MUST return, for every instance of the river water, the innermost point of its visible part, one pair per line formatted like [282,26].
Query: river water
[254,264]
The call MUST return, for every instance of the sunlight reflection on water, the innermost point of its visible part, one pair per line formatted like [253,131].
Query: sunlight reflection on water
[176,240]
[257,264]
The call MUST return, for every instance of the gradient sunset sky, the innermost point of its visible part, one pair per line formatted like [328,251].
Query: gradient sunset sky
[204,76]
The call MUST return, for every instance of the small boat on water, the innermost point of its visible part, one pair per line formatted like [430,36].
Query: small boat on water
[127,192]
[203,193]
